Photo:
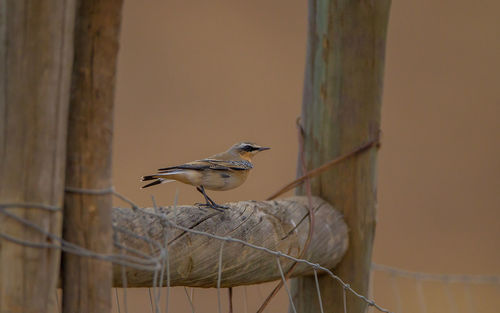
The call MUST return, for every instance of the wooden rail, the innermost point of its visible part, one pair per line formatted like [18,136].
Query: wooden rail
[280,225]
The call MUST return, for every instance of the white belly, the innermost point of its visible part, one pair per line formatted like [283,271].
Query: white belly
[221,180]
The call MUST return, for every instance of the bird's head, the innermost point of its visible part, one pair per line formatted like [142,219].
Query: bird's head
[246,150]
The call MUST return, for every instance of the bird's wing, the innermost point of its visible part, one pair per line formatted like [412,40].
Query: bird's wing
[212,164]
[239,165]
[195,165]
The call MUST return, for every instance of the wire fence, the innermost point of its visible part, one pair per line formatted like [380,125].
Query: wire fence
[420,292]
[226,239]
[157,262]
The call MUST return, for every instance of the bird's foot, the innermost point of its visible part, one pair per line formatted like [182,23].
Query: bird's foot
[214,206]
[221,207]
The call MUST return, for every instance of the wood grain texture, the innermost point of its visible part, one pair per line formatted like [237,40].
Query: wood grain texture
[36,54]
[341,110]
[87,282]
[194,258]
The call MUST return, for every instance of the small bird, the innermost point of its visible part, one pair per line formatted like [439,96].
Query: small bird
[223,171]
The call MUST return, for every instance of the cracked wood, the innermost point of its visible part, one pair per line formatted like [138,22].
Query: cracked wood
[279,225]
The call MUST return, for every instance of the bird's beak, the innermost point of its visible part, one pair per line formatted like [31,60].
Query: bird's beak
[263,148]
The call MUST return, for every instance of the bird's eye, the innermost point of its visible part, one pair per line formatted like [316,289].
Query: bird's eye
[248,148]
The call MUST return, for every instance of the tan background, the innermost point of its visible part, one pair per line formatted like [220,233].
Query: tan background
[197,76]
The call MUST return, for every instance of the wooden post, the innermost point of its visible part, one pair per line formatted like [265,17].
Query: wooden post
[87,282]
[341,110]
[36,54]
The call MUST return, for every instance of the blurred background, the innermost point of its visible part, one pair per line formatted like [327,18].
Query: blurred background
[195,77]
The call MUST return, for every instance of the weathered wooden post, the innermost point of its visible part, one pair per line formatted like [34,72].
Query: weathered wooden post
[36,53]
[87,217]
[341,110]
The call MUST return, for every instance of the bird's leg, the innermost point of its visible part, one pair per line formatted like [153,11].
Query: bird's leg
[210,203]
[207,199]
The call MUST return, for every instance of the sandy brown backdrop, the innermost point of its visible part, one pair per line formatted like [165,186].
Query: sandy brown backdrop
[197,76]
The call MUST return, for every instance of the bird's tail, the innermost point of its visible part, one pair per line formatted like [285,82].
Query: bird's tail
[158,179]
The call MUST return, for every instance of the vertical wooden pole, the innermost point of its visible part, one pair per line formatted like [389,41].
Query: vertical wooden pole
[36,54]
[341,110]
[87,282]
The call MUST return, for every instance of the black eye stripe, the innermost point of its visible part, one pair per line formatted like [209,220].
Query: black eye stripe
[248,148]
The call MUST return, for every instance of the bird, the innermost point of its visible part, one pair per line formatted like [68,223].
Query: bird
[222,171]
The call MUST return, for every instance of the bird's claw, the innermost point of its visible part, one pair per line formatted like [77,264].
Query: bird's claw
[217,207]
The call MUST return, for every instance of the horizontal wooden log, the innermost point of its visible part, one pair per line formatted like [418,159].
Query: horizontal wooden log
[280,225]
